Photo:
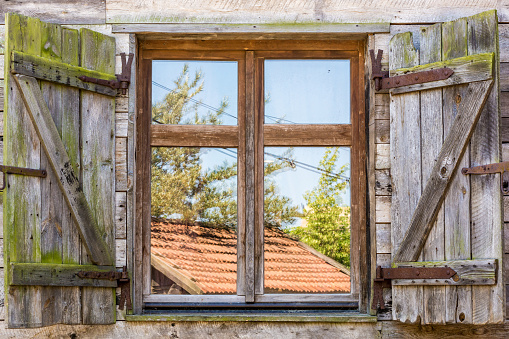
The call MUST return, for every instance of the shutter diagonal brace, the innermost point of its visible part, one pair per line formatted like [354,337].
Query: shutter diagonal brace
[60,163]
[446,165]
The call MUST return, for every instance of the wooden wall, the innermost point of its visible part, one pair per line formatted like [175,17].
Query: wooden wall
[112,15]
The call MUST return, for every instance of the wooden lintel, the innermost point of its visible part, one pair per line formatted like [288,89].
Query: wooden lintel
[40,274]
[60,163]
[445,166]
[307,135]
[469,272]
[468,69]
[194,135]
[59,72]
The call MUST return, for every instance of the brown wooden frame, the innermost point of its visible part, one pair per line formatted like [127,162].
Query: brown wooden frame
[249,137]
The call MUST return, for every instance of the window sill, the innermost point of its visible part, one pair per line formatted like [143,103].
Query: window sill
[258,316]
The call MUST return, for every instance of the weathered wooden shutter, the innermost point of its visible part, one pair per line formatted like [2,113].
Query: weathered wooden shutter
[441,217]
[50,236]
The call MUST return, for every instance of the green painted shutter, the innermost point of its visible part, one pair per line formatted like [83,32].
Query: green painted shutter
[39,224]
[465,219]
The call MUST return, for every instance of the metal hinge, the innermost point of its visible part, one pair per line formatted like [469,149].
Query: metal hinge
[123,282]
[20,171]
[385,275]
[123,79]
[499,167]
[384,81]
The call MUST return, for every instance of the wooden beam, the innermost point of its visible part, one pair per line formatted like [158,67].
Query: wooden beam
[59,72]
[194,135]
[307,135]
[61,165]
[40,274]
[174,274]
[445,165]
[468,69]
[470,272]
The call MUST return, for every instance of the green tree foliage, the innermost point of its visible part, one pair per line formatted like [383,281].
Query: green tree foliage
[327,227]
[183,189]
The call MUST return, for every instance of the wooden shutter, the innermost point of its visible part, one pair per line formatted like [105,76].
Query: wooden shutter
[441,217]
[70,133]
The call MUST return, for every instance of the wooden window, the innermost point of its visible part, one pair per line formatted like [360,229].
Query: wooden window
[292,105]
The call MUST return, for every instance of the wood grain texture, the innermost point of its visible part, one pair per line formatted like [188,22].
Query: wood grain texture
[383,209]
[382,156]
[308,11]
[57,11]
[307,135]
[121,123]
[120,215]
[458,306]
[121,164]
[486,201]
[382,131]
[382,108]
[405,148]
[383,184]
[98,152]
[383,238]
[22,198]
[194,135]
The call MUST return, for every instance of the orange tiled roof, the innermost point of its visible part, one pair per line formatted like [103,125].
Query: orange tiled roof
[207,256]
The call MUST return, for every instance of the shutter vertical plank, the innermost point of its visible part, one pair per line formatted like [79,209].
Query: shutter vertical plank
[458,304]
[22,200]
[52,204]
[71,244]
[486,206]
[431,143]
[98,150]
[405,150]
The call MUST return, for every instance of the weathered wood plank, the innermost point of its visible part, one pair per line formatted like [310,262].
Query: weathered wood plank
[486,201]
[382,131]
[383,238]
[431,141]
[504,76]
[44,274]
[469,272]
[504,104]
[193,135]
[120,164]
[382,109]
[382,156]
[22,199]
[266,11]
[120,215]
[405,143]
[457,201]
[383,209]
[466,69]
[63,73]
[120,252]
[98,152]
[61,165]
[121,123]
[446,164]
[2,41]
[58,11]
[383,184]
[307,135]
[122,103]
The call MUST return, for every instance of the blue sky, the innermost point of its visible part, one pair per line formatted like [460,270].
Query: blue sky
[300,91]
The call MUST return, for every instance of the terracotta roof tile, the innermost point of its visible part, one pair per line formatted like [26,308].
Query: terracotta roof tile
[207,256]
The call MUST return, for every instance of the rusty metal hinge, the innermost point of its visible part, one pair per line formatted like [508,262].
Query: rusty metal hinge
[384,81]
[21,171]
[385,275]
[499,167]
[123,79]
[123,281]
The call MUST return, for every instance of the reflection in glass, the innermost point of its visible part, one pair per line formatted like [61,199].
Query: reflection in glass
[307,91]
[194,220]
[194,92]
[307,220]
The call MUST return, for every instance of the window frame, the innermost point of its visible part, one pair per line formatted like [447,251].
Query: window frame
[250,136]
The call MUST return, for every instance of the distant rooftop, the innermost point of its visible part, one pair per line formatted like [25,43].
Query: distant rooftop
[196,259]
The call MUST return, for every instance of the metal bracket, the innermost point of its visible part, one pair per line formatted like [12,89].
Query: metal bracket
[384,81]
[122,280]
[21,171]
[385,275]
[499,167]
[123,79]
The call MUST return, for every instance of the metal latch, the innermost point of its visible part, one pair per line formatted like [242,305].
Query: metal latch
[21,171]
[385,275]
[123,78]
[499,167]
[122,280]
[384,81]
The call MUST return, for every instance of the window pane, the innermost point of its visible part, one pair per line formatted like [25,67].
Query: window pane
[307,220]
[194,220]
[194,92]
[307,91]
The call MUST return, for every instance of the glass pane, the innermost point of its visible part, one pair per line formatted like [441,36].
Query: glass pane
[307,91]
[194,220]
[307,220]
[194,92]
